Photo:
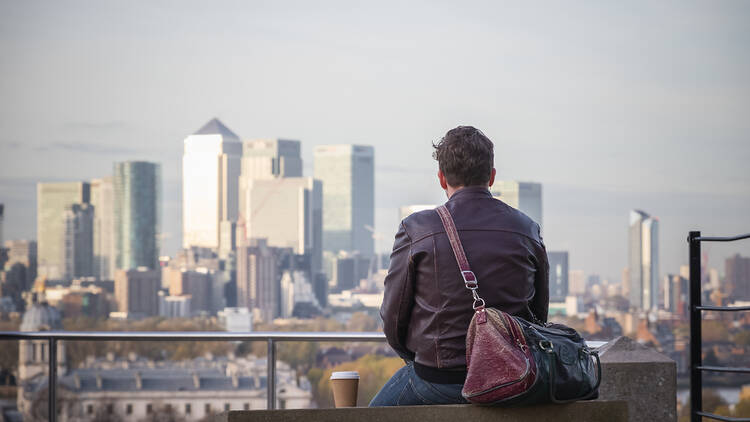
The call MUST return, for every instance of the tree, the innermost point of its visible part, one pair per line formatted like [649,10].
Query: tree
[714,331]
[360,321]
[742,409]
[742,338]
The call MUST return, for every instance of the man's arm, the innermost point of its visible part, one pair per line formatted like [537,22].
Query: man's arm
[398,298]
[540,303]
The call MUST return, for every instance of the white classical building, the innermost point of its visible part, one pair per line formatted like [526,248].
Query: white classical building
[129,389]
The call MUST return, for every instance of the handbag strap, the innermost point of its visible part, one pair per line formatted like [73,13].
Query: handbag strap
[470,280]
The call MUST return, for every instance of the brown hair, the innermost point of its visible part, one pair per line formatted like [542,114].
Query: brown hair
[465,156]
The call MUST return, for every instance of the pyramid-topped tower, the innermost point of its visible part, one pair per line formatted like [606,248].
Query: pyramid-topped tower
[210,173]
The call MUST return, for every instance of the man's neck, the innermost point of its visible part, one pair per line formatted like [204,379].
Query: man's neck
[451,189]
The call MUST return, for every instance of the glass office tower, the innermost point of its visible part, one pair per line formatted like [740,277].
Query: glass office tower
[137,208]
[348,176]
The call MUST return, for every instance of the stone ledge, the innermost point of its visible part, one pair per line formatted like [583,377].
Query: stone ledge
[643,377]
[583,411]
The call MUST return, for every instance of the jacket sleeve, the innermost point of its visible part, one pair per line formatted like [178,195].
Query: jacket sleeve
[540,303]
[398,298]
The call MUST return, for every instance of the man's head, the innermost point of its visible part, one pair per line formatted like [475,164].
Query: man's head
[465,158]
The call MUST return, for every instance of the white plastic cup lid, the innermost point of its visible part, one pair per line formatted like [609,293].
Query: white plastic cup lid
[345,375]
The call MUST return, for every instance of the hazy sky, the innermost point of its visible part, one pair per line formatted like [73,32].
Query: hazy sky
[611,105]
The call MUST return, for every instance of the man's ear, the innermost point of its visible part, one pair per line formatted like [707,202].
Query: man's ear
[443,182]
[492,177]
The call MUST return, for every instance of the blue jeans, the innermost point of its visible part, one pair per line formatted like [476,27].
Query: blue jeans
[405,388]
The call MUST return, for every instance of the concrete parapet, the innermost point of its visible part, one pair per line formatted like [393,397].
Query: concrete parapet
[585,411]
[643,377]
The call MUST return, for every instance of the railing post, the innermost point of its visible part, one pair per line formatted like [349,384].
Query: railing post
[271,375]
[696,381]
[52,388]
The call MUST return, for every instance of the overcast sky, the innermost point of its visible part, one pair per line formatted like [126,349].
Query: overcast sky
[610,105]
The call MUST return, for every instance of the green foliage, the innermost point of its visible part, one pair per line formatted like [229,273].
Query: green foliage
[77,351]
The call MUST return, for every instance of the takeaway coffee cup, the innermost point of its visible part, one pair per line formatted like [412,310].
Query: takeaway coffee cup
[344,385]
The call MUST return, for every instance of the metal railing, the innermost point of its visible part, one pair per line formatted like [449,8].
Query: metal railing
[271,338]
[696,308]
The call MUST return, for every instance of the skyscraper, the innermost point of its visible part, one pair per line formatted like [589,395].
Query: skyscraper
[137,291]
[102,198]
[258,279]
[78,239]
[2,217]
[644,261]
[137,196]
[737,277]
[52,199]
[267,159]
[210,174]
[524,196]
[558,276]
[288,213]
[348,176]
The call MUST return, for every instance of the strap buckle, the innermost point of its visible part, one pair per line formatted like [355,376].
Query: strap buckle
[470,280]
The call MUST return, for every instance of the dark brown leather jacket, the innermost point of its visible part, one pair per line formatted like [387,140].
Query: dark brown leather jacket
[426,308]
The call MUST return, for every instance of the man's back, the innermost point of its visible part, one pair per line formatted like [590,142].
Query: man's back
[426,310]
[426,307]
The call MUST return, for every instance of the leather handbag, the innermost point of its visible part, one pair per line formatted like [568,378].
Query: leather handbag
[511,361]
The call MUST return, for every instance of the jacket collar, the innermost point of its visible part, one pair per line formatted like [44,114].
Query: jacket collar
[470,192]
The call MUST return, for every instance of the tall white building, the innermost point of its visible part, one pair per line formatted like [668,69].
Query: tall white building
[348,176]
[644,260]
[288,213]
[102,198]
[210,174]
[524,196]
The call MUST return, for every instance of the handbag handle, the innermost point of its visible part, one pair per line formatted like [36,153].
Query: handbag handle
[470,280]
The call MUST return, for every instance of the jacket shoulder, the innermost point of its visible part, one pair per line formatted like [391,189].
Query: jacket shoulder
[422,223]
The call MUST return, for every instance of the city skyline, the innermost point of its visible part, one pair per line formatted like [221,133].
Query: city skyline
[572,111]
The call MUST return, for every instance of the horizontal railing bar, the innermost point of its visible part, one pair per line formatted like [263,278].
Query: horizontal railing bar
[722,239]
[722,418]
[207,336]
[740,370]
[723,308]
[192,335]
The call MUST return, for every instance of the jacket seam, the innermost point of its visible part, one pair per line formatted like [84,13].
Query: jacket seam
[403,290]
[469,230]
[437,314]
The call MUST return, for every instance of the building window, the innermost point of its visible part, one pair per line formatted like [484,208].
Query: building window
[129,409]
[188,409]
[207,408]
[168,408]
[149,408]
[89,408]
[110,409]
[41,348]
[246,406]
